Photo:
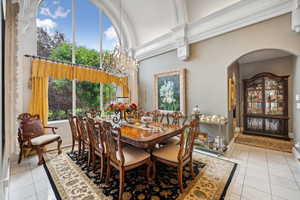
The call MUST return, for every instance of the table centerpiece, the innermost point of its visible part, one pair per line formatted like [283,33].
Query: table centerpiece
[121,111]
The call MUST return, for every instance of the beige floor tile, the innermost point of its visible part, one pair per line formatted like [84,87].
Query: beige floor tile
[250,193]
[285,192]
[26,191]
[234,197]
[260,184]
[283,182]
[281,173]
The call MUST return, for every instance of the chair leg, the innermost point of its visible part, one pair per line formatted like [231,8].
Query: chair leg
[191,168]
[180,168]
[101,166]
[73,144]
[89,157]
[121,186]
[93,160]
[59,141]
[20,155]
[153,169]
[79,149]
[149,170]
[40,154]
[108,172]
[82,151]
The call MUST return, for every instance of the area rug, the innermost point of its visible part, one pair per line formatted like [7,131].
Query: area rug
[72,179]
[265,142]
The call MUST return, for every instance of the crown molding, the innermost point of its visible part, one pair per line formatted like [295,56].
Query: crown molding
[236,16]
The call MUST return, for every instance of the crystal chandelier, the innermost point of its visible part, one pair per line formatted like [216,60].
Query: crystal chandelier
[119,61]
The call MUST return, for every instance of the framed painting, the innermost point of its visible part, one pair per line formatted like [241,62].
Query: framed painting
[169,91]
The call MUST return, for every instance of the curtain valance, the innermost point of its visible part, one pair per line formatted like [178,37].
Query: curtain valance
[43,68]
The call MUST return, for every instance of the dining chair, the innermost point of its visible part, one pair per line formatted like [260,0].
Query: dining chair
[85,142]
[97,142]
[164,118]
[178,155]
[123,158]
[155,115]
[93,113]
[75,134]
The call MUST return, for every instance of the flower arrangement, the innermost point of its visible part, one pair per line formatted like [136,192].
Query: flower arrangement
[122,107]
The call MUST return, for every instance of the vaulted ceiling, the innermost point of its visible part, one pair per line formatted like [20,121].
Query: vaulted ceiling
[150,19]
[150,27]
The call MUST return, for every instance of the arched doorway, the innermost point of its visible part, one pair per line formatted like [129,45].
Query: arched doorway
[272,61]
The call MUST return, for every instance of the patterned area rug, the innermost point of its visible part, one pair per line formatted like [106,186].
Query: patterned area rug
[265,142]
[72,179]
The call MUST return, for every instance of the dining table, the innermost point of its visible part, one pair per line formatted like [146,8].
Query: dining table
[146,137]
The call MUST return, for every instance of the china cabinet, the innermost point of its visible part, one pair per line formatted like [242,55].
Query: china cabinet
[266,105]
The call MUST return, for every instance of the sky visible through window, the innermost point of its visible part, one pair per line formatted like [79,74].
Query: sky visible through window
[55,15]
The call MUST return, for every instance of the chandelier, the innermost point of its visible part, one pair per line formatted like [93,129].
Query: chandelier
[119,61]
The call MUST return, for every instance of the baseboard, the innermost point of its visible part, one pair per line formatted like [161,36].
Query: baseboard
[237,129]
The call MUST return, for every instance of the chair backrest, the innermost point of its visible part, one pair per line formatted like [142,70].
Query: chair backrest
[164,118]
[96,134]
[30,126]
[72,121]
[114,146]
[176,116]
[155,115]
[82,129]
[93,113]
[187,140]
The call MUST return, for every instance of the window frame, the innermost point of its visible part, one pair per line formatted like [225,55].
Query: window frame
[73,43]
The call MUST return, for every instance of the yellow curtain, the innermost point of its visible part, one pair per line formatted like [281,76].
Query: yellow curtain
[41,70]
[39,98]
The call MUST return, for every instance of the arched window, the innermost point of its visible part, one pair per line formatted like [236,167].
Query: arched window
[75,31]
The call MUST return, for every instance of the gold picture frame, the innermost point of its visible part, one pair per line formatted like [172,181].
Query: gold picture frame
[170,91]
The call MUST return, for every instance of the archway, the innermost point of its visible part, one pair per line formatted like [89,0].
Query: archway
[276,61]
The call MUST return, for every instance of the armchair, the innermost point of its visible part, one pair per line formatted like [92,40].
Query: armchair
[31,134]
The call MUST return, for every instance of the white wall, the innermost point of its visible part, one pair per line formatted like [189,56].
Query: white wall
[207,65]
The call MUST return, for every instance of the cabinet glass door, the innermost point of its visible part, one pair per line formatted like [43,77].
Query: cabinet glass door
[255,97]
[274,97]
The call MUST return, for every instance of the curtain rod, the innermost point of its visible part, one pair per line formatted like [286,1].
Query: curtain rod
[69,63]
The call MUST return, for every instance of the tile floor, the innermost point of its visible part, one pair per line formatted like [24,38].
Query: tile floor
[261,175]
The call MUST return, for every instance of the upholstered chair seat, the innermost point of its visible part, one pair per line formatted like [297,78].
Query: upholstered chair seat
[133,155]
[167,152]
[40,140]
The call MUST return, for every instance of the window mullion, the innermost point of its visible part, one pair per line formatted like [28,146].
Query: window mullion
[73,54]
[101,53]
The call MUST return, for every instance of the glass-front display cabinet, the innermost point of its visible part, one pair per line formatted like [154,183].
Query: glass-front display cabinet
[266,105]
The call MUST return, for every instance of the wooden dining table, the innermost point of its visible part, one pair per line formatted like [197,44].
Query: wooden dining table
[146,138]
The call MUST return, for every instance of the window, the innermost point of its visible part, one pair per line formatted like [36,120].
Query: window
[94,35]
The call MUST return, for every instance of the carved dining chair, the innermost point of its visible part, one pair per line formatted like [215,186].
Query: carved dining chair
[178,155]
[123,158]
[155,115]
[32,135]
[75,134]
[93,113]
[85,142]
[178,119]
[98,147]
[164,118]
